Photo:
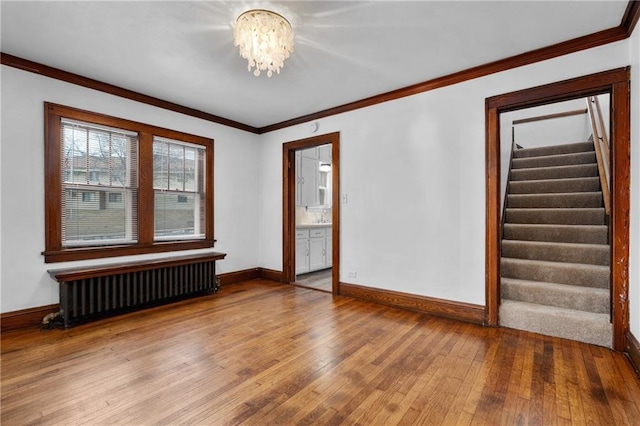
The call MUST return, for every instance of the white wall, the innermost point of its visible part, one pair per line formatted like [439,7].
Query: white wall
[413,170]
[414,173]
[506,137]
[634,249]
[24,280]
[556,131]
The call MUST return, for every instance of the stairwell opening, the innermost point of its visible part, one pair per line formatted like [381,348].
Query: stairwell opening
[528,262]
[555,253]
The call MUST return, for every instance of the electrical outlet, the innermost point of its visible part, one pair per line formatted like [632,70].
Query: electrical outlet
[352,274]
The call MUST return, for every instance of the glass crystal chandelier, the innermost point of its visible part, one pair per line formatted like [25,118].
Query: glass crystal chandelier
[265,40]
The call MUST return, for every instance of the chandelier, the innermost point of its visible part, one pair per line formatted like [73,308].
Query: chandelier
[265,40]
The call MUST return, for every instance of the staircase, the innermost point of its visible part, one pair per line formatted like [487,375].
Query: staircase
[555,253]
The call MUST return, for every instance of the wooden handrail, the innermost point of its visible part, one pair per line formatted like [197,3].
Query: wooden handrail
[601,146]
[550,116]
[604,136]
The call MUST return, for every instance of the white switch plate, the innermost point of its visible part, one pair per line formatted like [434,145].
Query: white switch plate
[344,198]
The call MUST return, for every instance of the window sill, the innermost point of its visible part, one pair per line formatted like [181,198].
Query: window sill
[84,253]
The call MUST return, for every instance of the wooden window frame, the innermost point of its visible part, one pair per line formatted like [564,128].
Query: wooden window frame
[54,251]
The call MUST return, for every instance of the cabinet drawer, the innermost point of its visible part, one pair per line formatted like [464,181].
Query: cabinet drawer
[302,233]
[317,232]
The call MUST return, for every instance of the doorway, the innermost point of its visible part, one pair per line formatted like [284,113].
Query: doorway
[616,84]
[311,212]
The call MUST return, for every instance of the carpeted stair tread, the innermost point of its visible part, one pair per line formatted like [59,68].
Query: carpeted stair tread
[565,216]
[579,274]
[570,199]
[554,160]
[588,299]
[571,324]
[555,172]
[593,254]
[554,269]
[587,234]
[553,150]
[548,186]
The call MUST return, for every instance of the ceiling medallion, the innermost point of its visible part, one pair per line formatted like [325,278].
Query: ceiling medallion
[265,40]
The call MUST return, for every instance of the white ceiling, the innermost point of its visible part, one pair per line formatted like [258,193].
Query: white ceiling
[182,51]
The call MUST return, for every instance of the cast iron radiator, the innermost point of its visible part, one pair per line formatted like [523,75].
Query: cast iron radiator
[90,293]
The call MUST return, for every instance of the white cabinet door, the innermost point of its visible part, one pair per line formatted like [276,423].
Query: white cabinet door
[324,153]
[317,248]
[309,181]
[302,256]
[310,153]
[329,249]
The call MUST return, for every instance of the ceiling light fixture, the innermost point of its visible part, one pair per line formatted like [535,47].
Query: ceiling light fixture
[265,40]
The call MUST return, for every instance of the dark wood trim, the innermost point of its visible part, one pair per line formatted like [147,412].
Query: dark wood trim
[631,17]
[633,351]
[551,116]
[270,274]
[239,276]
[560,91]
[620,209]
[25,318]
[335,214]
[248,275]
[428,305]
[58,74]
[616,83]
[54,252]
[146,196]
[492,216]
[115,251]
[564,48]
[288,214]
[624,30]
[289,205]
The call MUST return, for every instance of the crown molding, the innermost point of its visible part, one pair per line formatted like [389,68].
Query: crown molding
[58,74]
[631,17]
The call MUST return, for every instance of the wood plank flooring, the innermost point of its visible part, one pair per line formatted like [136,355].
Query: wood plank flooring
[264,353]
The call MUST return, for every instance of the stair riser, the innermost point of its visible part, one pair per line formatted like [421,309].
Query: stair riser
[554,160]
[563,296]
[556,216]
[589,235]
[561,273]
[557,172]
[575,200]
[592,255]
[555,186]
[595,331]
[553,150]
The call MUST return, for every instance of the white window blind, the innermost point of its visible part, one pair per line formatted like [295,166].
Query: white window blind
[179,189]
[99,185]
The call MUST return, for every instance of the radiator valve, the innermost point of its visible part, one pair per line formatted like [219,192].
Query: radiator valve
[50,320]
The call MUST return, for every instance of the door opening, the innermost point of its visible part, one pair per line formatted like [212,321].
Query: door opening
[616,84]
[311,212]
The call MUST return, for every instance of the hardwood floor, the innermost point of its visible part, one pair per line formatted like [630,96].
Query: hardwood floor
[264,353]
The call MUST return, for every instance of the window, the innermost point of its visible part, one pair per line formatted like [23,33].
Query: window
[117,187]
[115,197]
[178,169]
